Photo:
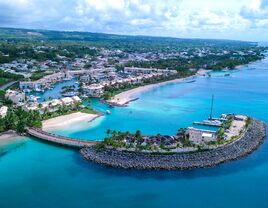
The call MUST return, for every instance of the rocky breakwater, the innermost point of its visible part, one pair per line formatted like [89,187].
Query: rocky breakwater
[250,141]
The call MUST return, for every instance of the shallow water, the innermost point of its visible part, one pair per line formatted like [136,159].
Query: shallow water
[37,174]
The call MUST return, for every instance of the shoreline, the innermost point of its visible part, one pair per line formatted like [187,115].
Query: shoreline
[124,98]
[8,137]
[68,121]
[248,143]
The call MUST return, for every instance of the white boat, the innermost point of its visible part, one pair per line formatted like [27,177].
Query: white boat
[69,94]
[27,90]
[39,90]
[84,96]
[108,112]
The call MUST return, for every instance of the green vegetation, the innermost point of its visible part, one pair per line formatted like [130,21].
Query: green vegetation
[38,75]
[116,138]
[225,125]
[210,62]
[248,122]
[47,45]
[109,41]
[138,142]
[88,110]
[17,119]
[65,110]
[3,99]
[6,77]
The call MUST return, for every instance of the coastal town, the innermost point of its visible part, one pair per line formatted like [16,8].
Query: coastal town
[133,103]
[115,77]
[104,73]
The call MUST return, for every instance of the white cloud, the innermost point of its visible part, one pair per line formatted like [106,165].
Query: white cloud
[181,18]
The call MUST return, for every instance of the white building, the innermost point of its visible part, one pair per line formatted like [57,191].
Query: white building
[16,97]
[3,111]
[93,90]
[198,136]
[52,105]
[139,70]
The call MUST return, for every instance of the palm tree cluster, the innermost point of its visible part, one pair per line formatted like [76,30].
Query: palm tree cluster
[17,119]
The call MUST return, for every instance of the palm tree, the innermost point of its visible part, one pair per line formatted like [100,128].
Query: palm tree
[138,134]
[108,132]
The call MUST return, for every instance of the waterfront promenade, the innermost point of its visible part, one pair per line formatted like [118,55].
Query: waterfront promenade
[60,140]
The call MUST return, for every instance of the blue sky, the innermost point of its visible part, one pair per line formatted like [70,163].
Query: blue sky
[224,19]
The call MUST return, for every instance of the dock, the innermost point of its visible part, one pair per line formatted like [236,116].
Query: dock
[218,119]
[207,123]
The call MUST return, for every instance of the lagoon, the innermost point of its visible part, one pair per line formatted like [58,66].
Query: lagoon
[35,174]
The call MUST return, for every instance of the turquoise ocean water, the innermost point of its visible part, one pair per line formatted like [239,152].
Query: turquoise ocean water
[35,174]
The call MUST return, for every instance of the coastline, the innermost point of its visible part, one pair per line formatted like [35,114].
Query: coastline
[9,137]
[249,142]
[124,98]
[67,121]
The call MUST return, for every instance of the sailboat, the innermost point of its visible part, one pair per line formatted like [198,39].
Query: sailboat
[211,108]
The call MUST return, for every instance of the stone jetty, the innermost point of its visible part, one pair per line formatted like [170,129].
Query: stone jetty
[250,141]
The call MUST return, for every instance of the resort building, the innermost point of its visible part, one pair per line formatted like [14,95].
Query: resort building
[139,70]
[135,70]
[198,136]
[17,98]
[93,90]
[52,105]
[3,111]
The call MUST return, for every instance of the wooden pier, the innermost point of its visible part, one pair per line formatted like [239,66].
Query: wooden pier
[60,140]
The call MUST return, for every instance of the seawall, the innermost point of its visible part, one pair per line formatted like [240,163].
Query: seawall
[250,141]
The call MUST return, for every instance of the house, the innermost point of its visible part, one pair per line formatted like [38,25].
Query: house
[93,90]
[51,105]
[3,111]
[198,136]
[16,97]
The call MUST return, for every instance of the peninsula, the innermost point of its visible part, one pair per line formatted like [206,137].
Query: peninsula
[190,148]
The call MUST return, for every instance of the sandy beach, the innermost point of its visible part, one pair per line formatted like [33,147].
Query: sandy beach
[65,121]
[9,137]
[122,99]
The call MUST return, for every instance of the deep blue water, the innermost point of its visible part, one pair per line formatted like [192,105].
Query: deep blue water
[35,174]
